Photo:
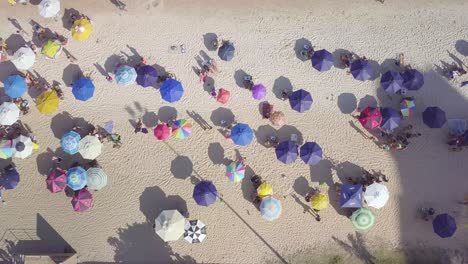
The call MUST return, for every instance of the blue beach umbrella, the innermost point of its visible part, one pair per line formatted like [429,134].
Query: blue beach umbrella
[311,153]
[287,151]
[10,178]
[351,196]
[171,90]
[361,70]
[76,178]
[300,100]
[270,208]
[205,193]
[391,118]
[226,52]
[146,76]
[15,86]
[392,81]
[70,142]
[241,134]
[83,89]
[125,75]
[413,79]
[322,60]
[434,117]
[444,225]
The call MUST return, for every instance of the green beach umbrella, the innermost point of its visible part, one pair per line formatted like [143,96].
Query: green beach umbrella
[363,219]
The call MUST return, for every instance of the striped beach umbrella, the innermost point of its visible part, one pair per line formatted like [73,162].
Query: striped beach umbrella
[181,128]
[76,178]
[56,180]
[407,107]
[270,208]
[195,231]
[235,171]
[370,117]
[96,178]
[23,146]
[70,142]
[363,219]
[6,149]
[82,200]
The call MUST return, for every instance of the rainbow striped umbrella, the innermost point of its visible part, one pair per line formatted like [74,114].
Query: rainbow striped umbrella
[181,128]
[235,171]
[407,107]
[6,149]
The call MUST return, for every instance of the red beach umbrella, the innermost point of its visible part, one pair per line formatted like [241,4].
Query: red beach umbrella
[370,118]
[223,96]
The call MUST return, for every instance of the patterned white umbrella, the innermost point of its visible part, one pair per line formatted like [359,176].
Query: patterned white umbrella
[195,231]
[24,58]
[23,146]
[9,113]
[97,178]
[376,195]
[49,8]
[169,225]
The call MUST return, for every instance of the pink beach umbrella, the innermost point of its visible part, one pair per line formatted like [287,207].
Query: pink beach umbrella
[82,200]
[57,180]
[162,131]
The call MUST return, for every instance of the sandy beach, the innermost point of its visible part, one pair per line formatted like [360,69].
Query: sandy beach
[147,176]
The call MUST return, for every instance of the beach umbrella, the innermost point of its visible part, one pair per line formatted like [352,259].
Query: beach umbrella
[109,126]
[56,180]
[311,153]
[70,142]
[146,76]
[226,51]
[162,131]
[83,89]
[434,117]
[24,58]
[169,225]
[90,147]
[52,49]
[361,70]
[15,86]
[9,113]
[270,208]
[81,29]
[125,75]
[370,117]
[205,193]
[319,201]
[351,196]
[287,151]
[47,102]
[413,79]
[300,100]
[235,171]
[363,219]
[264,190]
[277,118]
[444,225]
[258,91]
[391,81]
[10,178]
[181,128]
[96,178]
[322,60]
[391,119]
[457,126]
[376,195]
[23,146]
[171,90]
[223,96]
[195,231]
[407,107]
[6,148]
[76,178]
[82,200]
[49,8]
[241,134]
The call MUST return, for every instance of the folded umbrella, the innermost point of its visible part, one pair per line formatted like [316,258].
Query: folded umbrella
[181,128]
[351,196]
[83,89]
[444,225]
[70,142]
[56,180]
[287,151]
[226,51]
[146,76]
[413,79]
[235,171]
[241,134]
[195,231]
[407,107]
[15,86]
[370,117]
[162,131]
[47,102]
[258,91]
[391,81]
[76,178]
[434,117]
[9,113]
[311,153]
[322,60]
[10,178]
[96,178]
[169,225]
[300,100]
[6,148]
[82,200]
[270,208]
[319,201]
[205,193]
[24,58]
[125,75]
[171,90]
[391,119]
[49,8]
[363,219]
[90,147]
[223,96]
[264,190]
[376,195]
[361,70]
[81,29]
[23,146]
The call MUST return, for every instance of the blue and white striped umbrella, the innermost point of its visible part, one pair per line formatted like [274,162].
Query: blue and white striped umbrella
[125,75]
[76,178]
[270,208]
[70,142]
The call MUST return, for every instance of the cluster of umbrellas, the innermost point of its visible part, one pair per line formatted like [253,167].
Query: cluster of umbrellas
[180,129]
[395,82]
[288,151]
[20,147]
[90,147]
[171,225]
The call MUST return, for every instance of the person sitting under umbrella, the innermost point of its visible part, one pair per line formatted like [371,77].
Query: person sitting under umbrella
[248,83]
[307,51]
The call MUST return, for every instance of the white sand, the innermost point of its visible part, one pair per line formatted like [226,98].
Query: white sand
[141,181]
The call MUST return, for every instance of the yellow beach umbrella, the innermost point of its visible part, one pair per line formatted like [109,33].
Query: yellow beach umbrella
[264,190]
[81,29]
[319,201]
[51,49]
[47,102]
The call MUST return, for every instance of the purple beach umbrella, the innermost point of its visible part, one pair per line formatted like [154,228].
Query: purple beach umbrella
[311,153]
[322,60]
[392,81]
[205,193]
[361,70]
[286,152]
[391,118]
[146,76]
[413,79]
[434,117]
[258,91]
[300,100]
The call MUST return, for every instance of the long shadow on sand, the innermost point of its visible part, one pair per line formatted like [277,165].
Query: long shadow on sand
[153,201]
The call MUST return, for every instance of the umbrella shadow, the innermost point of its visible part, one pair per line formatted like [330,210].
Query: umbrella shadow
[134,51]
[199,119]
[367,101]
[247,186]
[63,122]
[462,47]
[263,133]
[167,113]
[347,103]
[181,167]
[239,78]
[389,65]
[322,172]
[149,119]
[285,132]
[208,40]
[217,155]
[222,114]
[299,45]
[7,68]
[153,201]
[100,69]
[377,70]
[44,162]
[208,84]
[71,73]
[15,41]
[357,247]
[337,55]
[301,186]
[111,62]
[282,84]
[66,18]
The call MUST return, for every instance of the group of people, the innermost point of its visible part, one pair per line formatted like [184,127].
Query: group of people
[101,134]
[396,140]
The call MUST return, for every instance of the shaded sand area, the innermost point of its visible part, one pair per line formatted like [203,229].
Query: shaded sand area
[147,176]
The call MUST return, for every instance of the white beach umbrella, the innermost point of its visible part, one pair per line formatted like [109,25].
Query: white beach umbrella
[9,113]
[96,178]
[376,195]
[24,58]
[195,231]
[49,8]
[169,225]
[23,146]
[90,147]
